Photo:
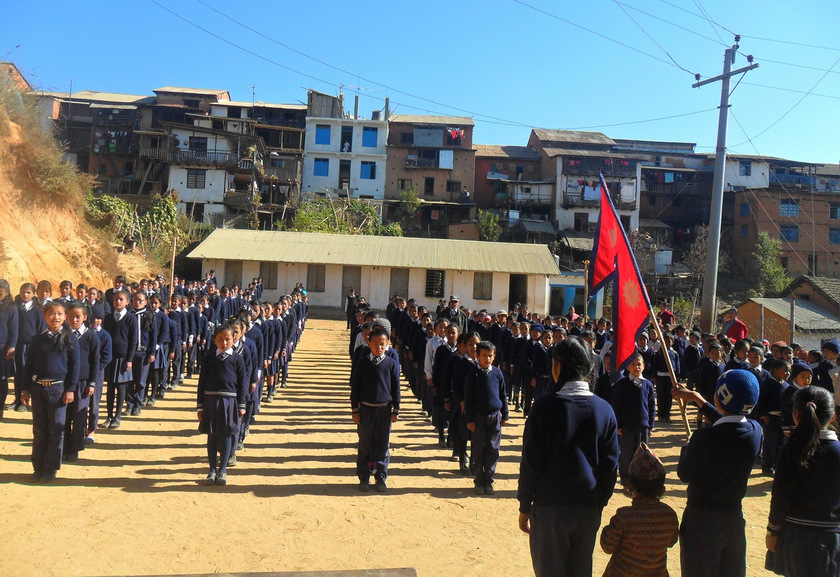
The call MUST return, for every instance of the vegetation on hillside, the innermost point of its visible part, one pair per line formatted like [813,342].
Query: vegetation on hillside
[339,216]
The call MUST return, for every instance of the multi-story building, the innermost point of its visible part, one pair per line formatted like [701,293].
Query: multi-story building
[498,168]
[434,156]
[344,154]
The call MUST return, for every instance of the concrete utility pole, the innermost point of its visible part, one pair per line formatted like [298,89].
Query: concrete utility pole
[707,311]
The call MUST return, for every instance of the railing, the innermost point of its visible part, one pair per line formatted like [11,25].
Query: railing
[672,188]
[421,163]
[795,179]
[575,199]
[179,156]
[239,197]
[591,168]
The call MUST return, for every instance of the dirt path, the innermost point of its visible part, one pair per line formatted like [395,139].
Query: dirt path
[134,505]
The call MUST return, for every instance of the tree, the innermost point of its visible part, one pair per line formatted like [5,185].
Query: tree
[406,207]
[772,276]
[339,216]
[488,226]
[695,258]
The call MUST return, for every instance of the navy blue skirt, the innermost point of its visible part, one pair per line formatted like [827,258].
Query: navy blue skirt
[805,552]
[115,372]
[162,357]
[221,416]
[7,366]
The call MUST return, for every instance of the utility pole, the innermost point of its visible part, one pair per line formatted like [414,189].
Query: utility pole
[707,311]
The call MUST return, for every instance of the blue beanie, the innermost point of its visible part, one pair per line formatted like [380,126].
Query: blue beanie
[833,345]
[537,327]
[737,391]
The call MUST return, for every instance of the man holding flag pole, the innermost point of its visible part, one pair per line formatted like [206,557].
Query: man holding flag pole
[612,260]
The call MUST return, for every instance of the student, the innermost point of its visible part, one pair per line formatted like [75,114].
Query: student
[541,366]
[800,377]
[485,412]
[739,356]
[634,403]
[445,351]
[49,384]
[44,292]
[604,385]
[664,384]
[144,356]
[76,422]
[30,323]
[691,358]
[9,327]
[526,366]
[568,469]
[455,377]
[222,390]
[155,384]
[639,536]
[802,529]
[648,355]
[708,373]
[375,402]
[65,294]
[121,325]
[432,345]
[95,303]
[716,464]
[104,359]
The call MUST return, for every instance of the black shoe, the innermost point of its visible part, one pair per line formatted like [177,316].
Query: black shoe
[210,479]
[364,485]
[115,424]
[107,423]
[150,402]
[381,487]
[35,477]
[126,412]
[489,490]
[221,479]
[464,470]
[159,395]
[239,446]
[479,490]
[47,477]
[283,386]
[232,461]
[72,457]
[21,408]
[135,412]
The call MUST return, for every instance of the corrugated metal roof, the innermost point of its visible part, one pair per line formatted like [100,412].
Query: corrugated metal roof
[425,119]
[249,104]
[652,223]
[552,151]
[578,137]
[93,96]
[542,226]
[809,317]
[111,106]
[504,151]
[579,240]
[364,250]
[184,90]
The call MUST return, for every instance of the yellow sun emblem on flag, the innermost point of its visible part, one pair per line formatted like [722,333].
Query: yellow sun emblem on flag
[613,234]
[630,293]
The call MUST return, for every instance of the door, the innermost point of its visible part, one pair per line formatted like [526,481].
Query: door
[399,282]
[233,272]
[518,291]
[351,278]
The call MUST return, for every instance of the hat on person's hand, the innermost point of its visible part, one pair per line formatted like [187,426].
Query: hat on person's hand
[645,465]
[737,391]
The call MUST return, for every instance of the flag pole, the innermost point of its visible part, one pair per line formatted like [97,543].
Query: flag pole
[671,372]
[586,291]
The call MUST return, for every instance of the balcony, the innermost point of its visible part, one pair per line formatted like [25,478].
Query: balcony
[196,157]
[672,188]
[240,198]
[577,200]
[421,163]
[797,180]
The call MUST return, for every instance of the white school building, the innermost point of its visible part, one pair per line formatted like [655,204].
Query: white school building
[489,275]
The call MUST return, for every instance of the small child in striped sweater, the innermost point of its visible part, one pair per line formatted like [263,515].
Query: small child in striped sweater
[639,536]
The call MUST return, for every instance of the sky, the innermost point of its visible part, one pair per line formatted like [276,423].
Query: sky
[621,67]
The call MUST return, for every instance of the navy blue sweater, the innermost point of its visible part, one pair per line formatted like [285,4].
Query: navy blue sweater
[569,452]
[228,378]
[30,323]
[89,357]
[375,384]
[123,335]
[46,361]
[105,354]
[484,394]
[634,407]
[717,461]
[9,325]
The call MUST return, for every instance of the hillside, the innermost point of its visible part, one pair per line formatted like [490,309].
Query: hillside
[43,234]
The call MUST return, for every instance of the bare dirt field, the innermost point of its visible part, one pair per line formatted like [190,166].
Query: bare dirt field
[134,503]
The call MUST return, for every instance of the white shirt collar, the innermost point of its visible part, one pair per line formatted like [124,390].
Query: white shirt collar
[225,352]
[731,419]
[828,435]
[27,306]
[81,330]
[575,389]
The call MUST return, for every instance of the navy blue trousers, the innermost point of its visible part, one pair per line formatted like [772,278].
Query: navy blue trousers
[93,414]
[772,442]
[486,440]
[562,539]
[713,543]
[75,421]
[48,416]
[664,398]
[140,374]
[374,441]
[628,442]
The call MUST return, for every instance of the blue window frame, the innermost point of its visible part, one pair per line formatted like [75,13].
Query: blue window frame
[370,135]
[322,167]
[789,207]
[368,170]
[790,232]
[322,134]
[834,235]
[745,230]
[745,209]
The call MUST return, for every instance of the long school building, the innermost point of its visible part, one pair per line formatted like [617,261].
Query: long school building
[491,275]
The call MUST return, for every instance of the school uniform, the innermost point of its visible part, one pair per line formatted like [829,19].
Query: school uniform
[96,308]
[649,356]
[541,370]
[122,327]
[248,351]
[181,332]
[105,354]
[30,323]
[147,344]
[604,385]
[9,327]
[736,363]
[195,333]
[822,375]
[454,394]
[664,384]
[52,369]
[76,421]
[155,384]
[485,405]
[708,373]
[769,405]
[690,363]
[442,354]
[375,396]
[634,404]
[527,363]
[429,350]
[255,335]
[518,368]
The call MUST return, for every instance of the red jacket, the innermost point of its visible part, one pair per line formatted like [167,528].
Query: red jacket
[737,330]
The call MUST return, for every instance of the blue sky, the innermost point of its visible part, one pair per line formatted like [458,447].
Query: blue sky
[510,64]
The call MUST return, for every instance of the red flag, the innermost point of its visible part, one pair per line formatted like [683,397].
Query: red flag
[613,260]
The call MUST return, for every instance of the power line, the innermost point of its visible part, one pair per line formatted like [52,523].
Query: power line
[674,24]
[600,35]
[644,121]
[708,19]
[791,90]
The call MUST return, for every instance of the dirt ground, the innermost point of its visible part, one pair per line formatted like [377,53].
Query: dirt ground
[134,503]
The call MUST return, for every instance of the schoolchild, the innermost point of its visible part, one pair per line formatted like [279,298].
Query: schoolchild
[822,373]
[9,328]
[76,421]
[634,403]
[432,344]
[527,365]
[445,351]
[247,350]
[144,356]
[755,360]
[117,286]
[196,322]
[461,365]
[519,364]
[716,464]
[604,385]
[508,359]
[708,373]
[664,384]
[65,293]
[375,404]
[485,412]
[43,292]
[105,354]
[155,384]
[179,348]
[800,377]
[95,303]
[648,355]
[221,401]
[541,366]
[254,335]
[803,529]
[691,358]
[638,537]
[291,336]
[272,333]
[739,356]
[49,383]
[769,411]
[122,326]
[30,323]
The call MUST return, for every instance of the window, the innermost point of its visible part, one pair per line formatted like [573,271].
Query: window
[268,272]
[834,235]
[196,178]
[370,136]
[198,143]
[407,138]
[745,209]
[322,167]
[745,230]
[483,286]
[315,274]
[453,186]
[745,168]
[790,232]
[404,183]
[368,170]
[190,103]
[434,283]
[834,210]
[278,163]
[789,207]
[429,186]
[322,134]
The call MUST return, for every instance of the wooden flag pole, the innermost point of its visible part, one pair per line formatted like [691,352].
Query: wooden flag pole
[671,372]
